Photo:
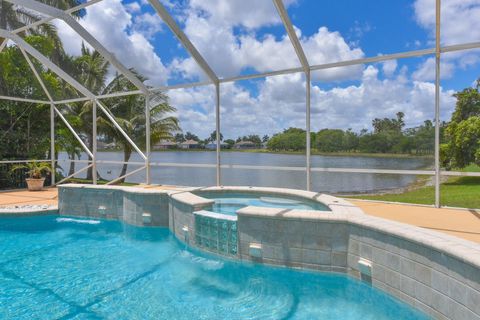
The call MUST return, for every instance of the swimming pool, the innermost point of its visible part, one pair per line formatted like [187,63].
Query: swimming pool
[228,202]
[70,268]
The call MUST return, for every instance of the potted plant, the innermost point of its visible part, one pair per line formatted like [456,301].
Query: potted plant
[35,171]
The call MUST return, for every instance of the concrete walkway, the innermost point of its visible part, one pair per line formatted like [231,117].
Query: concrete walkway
[23,197]
[456,222]
[461,223]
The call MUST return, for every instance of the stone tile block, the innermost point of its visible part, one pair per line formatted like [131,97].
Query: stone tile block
[423,274]
[392,278]
[365,251]
[407,285]
[339,259]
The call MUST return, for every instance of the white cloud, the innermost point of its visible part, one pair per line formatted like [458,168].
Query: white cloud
[389,67]
[109,22]
[247,13]
[133,7]
[147,24]
[355,106]
[426,70]
[280,103]
[228,54]
[460,21]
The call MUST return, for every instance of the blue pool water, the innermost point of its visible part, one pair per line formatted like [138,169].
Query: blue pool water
[65,268]
[230,202]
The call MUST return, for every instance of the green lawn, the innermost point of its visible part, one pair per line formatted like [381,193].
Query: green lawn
[456,192]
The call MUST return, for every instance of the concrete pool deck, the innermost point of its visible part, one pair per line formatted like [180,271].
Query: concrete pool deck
[457,222]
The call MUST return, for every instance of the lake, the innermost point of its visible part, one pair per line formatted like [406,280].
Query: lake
[321,181]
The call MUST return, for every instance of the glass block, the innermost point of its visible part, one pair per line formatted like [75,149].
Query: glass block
[214,233]
[223,248]
[233,237]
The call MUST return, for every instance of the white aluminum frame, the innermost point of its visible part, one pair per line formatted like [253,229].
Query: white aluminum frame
[54,13]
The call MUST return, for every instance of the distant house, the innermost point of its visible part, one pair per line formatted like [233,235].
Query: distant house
[189,144]
[213,145]
[245,145]
[163,145]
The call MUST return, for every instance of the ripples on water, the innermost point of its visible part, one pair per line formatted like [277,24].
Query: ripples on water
[60,268]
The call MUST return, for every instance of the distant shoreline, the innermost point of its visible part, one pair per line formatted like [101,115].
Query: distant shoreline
[299,153]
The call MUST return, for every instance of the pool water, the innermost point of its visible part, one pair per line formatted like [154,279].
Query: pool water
[68,268]
[229,202]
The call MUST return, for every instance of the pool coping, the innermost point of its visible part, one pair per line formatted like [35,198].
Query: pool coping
[27,212]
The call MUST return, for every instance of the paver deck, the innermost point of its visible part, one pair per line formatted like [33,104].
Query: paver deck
[456,222]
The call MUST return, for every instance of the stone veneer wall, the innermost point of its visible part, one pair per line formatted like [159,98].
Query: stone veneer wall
[417,267]
[434,272]
[313,244]
[117,203]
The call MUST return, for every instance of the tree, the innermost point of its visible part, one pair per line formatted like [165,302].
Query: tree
[464,143]
[91,69]
[191,136]
[265,138]
[13,17]
[291,139]
[129,112]
[463,132]
[330,140]
[213,136]
[179,138]
[23,133]
[350,140]
[230,143]
[422,138]
[389,125]
[468,103]
[67,142]
[255,138]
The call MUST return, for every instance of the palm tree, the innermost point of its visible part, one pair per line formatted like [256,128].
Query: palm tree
[91,69]
[129,112]
[13,17]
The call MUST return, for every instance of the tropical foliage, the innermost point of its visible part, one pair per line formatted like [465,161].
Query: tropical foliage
[462,134]
[35,170]
[24,127]
[389,136]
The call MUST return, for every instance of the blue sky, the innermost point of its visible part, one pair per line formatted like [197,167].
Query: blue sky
[246,36]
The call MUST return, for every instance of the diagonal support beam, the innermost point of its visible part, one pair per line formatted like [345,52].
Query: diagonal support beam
[34,70]
[112,119]
[82,32]
[49,64]
[73,132]
[182,37]
[291,34]
[48,19]
[74,174]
